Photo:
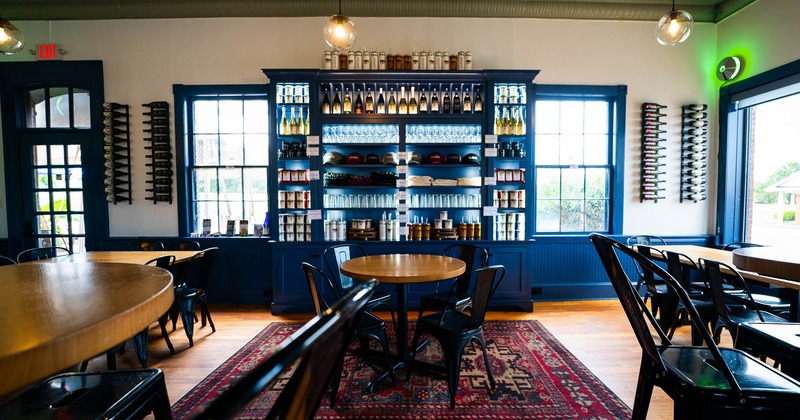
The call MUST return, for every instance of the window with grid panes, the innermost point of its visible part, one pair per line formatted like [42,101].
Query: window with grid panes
[574,161]
[228,160]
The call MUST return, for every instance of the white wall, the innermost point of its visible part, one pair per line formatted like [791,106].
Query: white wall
[144,58]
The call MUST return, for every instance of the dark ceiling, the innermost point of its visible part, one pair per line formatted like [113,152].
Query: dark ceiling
[636,10]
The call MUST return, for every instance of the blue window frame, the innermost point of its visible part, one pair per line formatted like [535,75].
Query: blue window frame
[223,156]
[736,104]
[578,158]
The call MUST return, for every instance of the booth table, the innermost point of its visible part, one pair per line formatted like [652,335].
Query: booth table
[57,315]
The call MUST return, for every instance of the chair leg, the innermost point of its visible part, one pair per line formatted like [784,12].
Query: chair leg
[452,361]
[417,333]
[161,408]
[186,309]
[162,322]
[206,313]
[644,391]
[140,345]
[336,379]
[482,342]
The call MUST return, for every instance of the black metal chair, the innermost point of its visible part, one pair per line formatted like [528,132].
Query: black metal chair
[736,245]
[475,257]
[681,268]
[166,262]
[145,246]
[646,240]
[704,382]
[183,246]
[316,350]
[731,313]
[369,326]
[6,261]
[663,301]
[121,394]
[777,305]
[454,329]
[778,341]
[333,257]
[44,253]
[191,291]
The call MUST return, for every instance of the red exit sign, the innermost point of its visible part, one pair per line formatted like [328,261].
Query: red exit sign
[49,52]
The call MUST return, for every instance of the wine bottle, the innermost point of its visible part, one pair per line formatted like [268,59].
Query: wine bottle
[695,197]
[359,108]
[284,127]
[114,156]
[456,102]
[160,190]
[696,107]
[435,102]
[154,130]
[655,156]
[160,164]
[157,104]
[696,124]
[412,103]
[693,172]
[650,105]
[653,131]
[694,188]
[115,191]
[114,131]
[653,115]
[293,123]
[114,114]
[160,155]
[693,147]
[381,108]
[653,147]
[653,172]
[347,105]
[392,103]
[115,173]
[336,108]
[651,196]
[423,102]
[113,105]
[652,188]
[697,115]
[160,181]
[161,172]
[446,101]
[505,122]
[467,107]
[651,123]
[158,138]
[307,124]
[115,148]
[157,114]
[326,103]
[369,105]
[478,101]
[402,107]
[693,156]
[520,127]
[695,131]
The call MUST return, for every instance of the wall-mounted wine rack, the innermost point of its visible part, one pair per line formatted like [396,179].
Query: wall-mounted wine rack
[159,152]
[117,146]
[652,152]
[694,152]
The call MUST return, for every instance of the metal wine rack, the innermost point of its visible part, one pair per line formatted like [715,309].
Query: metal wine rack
[694,152]
[117,146]
[652,152]
[160,152]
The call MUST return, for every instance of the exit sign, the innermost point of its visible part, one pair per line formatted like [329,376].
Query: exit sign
[49,52]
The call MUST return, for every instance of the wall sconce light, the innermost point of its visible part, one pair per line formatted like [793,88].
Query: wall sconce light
[339,32]
[11,39]
[674,27]
[729,68]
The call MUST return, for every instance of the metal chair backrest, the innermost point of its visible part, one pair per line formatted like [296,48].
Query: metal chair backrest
[145,246]
[43,253]
[487,280]
[183,246]
[6,261]
[315,350]
[311,272]
[334,257]
[474,256]
[641,319]
[647,276]
[736,245]
[164,261]
[209,256]
[717,280]
[645,240]
[677,266]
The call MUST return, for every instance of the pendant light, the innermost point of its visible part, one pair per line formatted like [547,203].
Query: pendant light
[339,32]
[11,39]
[674,27]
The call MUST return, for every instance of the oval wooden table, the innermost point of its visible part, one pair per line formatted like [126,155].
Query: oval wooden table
[56,315]
[130,257]
[402,270]
[770,261]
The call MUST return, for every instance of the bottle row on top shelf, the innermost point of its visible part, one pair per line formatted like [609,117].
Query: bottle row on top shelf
[407,100]
[380,60]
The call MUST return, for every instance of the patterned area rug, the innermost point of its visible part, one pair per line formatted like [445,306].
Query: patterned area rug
[537,378]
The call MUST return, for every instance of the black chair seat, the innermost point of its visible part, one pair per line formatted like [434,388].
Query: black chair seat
[747,315]
[764,302]
[453,322]
[94,395]
[474,257]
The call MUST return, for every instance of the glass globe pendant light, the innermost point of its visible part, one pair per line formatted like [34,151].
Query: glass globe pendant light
[339,32]
[11,39]
[674,27]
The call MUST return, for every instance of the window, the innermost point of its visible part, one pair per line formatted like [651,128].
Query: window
[760,174]
[227,165]
[574,158]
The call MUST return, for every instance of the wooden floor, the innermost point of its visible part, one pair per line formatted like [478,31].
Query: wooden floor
[596,332]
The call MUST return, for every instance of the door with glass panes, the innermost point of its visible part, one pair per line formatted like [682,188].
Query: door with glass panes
[52,146]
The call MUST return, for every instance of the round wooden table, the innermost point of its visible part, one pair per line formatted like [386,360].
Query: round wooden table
[781,262]
[130,257]
[56,315]
[402,270]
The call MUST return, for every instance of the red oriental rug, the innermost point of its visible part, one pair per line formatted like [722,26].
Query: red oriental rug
[537,378]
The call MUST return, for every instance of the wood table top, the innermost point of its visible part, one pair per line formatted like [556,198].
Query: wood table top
[771,261]
[54,316]
[128,257]
[696,252]
[403,268]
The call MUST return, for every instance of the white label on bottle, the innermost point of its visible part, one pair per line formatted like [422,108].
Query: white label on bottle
[489,211]
[402,156]
[402,218]
[402,195]
[313,175]
[313,140]
[402,169]
[490,152]
[402,230]
[491,139]
[490,180]
[312,151]
[314,215]
[402,207]
[401,183]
